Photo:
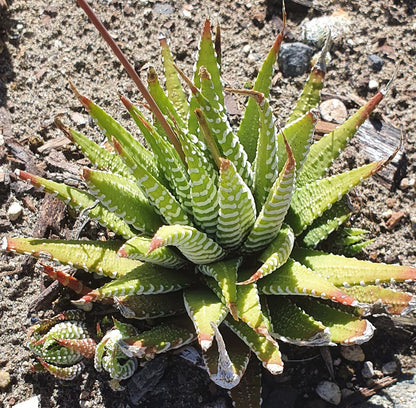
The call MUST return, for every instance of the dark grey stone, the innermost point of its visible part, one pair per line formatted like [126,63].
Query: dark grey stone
[294,59]
[376,62]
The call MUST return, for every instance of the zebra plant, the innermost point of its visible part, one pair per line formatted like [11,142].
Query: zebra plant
[217,228]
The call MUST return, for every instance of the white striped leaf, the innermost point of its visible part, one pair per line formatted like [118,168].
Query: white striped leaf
[227,362]
[124,198]
[266,349]
[138,248]
[158,195]
[194,245]
[237,209]
[310,201]
[146,279]
[82,201]
[204,308]
[225,274]
[276,254]
[270,219]
[295,279]
[92,256]
[343,271]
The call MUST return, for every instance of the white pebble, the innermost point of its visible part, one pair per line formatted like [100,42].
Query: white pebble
[329,392]
[368,369]
[372,85]
[15,211]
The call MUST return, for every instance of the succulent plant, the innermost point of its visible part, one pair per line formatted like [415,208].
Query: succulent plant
[217,227]
[61,343]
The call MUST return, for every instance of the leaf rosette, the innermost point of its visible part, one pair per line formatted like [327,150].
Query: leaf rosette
[217,226]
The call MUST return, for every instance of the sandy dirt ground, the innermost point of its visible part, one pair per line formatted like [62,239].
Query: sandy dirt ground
[43,43]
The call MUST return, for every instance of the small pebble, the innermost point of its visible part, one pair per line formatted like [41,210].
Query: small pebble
[294,59]
[406,183]
[4,378]
[389,368]
[368,369]
[376,62]
[329,392]
[246,49]
[333,110]
[14,212]
[372,84]
[413,222]
[30,403]
[352,353]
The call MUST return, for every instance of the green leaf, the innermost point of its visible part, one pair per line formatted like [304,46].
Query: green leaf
[349,271]
[138,248]
[249,127]
[204,308]
[266,349]
[276,254]
[194,245]
[311,93]
[292,325]
[380,298]
[145,279]
[225,274]
[169,163]
[158,195]
[92,256]
[310,201]
[323,226]
[249,307]
[160,339]
[237,210]
[80,200]
[295,279]
[227,362]
[173,83]
[208,59]
[112,129]
[345,328]
[270,219]
[327,149]
[247,394]
[150,306]
[299,135]
[221,130]
[266,169]
[123,198]
[99,156]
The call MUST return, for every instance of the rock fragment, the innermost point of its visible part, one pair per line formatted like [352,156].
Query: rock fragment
[294,59]
[15,211]
[329,392]
[333,110]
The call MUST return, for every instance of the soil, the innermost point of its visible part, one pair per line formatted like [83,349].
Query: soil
[43,43]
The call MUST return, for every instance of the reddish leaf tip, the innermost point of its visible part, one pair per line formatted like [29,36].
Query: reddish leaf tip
[155,243]
[122,253]
[126,102]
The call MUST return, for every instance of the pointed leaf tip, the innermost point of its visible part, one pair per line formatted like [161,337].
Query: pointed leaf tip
[83,99]
[126,102]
